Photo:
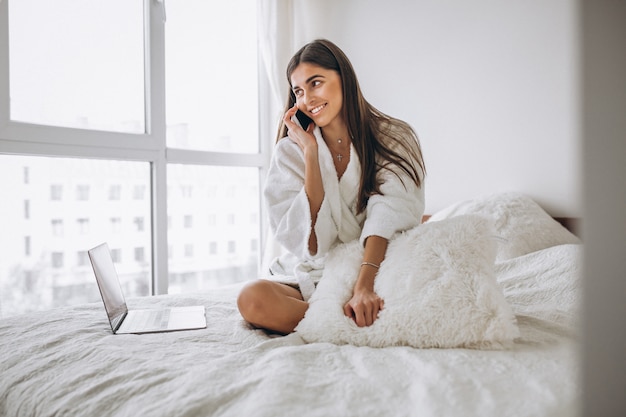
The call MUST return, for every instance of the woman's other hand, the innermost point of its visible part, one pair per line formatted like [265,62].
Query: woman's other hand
[365,304]
[363,307]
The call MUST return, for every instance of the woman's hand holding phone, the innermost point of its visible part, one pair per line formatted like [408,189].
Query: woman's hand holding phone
[304,138]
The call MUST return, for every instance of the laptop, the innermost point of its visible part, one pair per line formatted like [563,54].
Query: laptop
[124,321]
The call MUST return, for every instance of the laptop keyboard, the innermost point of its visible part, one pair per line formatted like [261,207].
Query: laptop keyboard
[149,319]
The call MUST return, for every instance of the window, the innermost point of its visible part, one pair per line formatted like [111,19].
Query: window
[117,156]
[57,259]
[186,191]
[139,226]
[77,69]
[56,192]
[56,255]
[83,226]
[116,255]
[238,261]
[82,258]
[116,224]
[115,192]
[82,192]
[140,255]
[57,227]
[139,192]
[205,89]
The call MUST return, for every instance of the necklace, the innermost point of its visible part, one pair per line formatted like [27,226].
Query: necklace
[339,156]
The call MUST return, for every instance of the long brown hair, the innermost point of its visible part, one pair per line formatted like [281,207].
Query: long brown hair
[380,141]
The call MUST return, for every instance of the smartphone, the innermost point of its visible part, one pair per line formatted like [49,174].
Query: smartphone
[304,120]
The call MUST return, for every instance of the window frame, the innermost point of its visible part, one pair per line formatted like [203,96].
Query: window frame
[19,138]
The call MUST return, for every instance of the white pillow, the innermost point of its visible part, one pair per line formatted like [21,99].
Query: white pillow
[438,286]
[521,223]
[543,289]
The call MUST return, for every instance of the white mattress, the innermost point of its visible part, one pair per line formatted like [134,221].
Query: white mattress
[66,362]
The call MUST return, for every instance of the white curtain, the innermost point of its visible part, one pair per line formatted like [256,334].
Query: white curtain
[276,45]
[284,27]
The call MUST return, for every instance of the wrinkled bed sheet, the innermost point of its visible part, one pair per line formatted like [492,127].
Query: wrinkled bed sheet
[66,362]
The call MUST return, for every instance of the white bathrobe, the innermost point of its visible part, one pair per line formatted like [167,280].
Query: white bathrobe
[399,208]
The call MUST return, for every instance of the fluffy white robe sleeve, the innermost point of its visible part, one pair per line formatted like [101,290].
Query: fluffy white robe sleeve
[399,208]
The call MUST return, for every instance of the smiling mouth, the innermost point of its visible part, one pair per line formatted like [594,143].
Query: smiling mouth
[317,109]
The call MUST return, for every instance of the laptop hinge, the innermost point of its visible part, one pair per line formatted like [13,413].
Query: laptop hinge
[119,323]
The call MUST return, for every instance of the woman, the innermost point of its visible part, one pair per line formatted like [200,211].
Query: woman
[353,173]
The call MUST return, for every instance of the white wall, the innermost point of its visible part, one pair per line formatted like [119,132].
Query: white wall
[490,86]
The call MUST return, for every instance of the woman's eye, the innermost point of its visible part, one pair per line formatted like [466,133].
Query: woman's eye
[298,93]
[316,83]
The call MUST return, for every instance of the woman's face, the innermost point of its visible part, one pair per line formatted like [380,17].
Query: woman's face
[318,93]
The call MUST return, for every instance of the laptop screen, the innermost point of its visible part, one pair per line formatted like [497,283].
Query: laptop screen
[109,284]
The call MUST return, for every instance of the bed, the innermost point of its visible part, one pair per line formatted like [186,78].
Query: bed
[66,362]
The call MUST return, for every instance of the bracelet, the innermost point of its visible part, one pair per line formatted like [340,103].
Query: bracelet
[370,264]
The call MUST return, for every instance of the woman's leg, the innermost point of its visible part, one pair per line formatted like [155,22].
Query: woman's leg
[271,305]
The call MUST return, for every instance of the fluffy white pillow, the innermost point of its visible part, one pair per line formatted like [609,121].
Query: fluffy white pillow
[521,223]
[438,285]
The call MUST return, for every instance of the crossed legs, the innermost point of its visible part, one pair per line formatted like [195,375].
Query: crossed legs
[271,305]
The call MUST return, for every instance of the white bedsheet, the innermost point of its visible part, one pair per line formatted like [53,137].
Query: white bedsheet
[66,362]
